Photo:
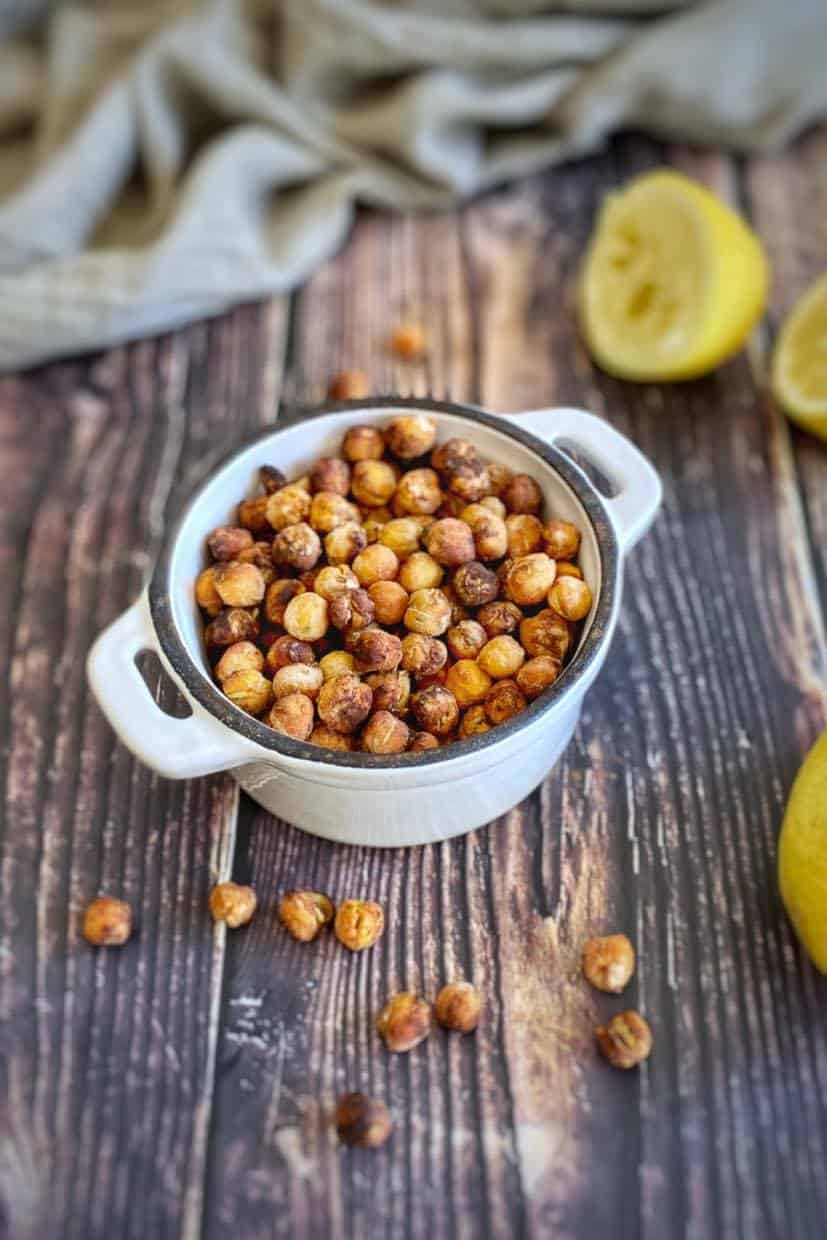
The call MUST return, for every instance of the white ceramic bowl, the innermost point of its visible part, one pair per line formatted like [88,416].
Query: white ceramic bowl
[362,798]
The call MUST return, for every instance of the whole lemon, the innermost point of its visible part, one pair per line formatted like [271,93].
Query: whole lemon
[802,854]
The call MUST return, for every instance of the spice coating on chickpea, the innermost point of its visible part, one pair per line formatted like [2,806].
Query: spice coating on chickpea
[328,739]
[402,535]
[458,1007]
[107,922]
[501,657]
[228,541]
[306,678]
[489,530]
[362,1121]
[609,962]
[503,701]
[385,733]
[337,663]
[375,650]
[435,710]
[420,572]
[298,546]
[373,483]
[287,649]
[359,924]
[279,593]
[348,385]
[206,595]
[475,584]
[304,913]
[232,904]
[329,510]
[345,542]
[292,716]
[404,1021]
[500,617]
[252,514]
[344,703]
[353,610]
[466,639]
[450,542]
[525,534]
[626,1040]
[474,722]
[334,580]
[423,655]
[410,435]
[522,494]
[391,691]
[571,598]
[545,633]
[233,624]
[428,612]
[537,674]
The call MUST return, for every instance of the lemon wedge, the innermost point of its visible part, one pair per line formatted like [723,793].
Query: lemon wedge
[799,363]
[672,282]
[802,854]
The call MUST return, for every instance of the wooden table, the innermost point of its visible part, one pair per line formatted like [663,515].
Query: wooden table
[180,1087]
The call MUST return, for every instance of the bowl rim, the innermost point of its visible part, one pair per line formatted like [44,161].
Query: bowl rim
[210,697]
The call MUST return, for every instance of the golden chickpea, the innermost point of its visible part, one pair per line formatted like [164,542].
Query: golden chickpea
[337,663]
[306,678]
[249,691]
[288,506]
[499,617]
[475,584]
[567,569]
[609,962]
[376,651]
[530,578]
[429,612]
[344,703]
[334,580]
[107,922]
[345,542]
[384,733]
[376,563]
[206,594]
[489,530]
[293,716]
[363,443]
[418,492]
[502,657]
[330,474]
[373,484]
[468,682]
[328,739]
[450,542]
[240,657]
[298,546]
[286,650]
[402,535]
[474,722]
[423,655]
[232,904]
[455,454]
[626,1040]
[525,534]
[571,598]
[304,913]
[545,633]
[466,639]
[493,504]
[499,476]
[358,924]
[537,675]
[252,514]
[233,624]
[404,1022]
[420,572]
[410,435]
[362,1121]
[458,1007]
[391,691]
[239,585]
[421,741]
[390,601]
[228,541]
[522,494]
[305,617]
[503,701]
[435,710]
[279,593]
[408,341]
[375,521]
[351,611]
[330,510]
[272,479]
[348,385]
[562,539]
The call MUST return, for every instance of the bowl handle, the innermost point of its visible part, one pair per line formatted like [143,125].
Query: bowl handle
[637,485]
[176,748]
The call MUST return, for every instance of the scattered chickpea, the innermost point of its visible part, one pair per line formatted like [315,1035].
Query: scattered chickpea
[626,1040]
[435,710]
[402,535]
[468,682]
[272,479]
[522,494]
[362,1121]
[249,691]
[252,514]
[571,598]
[475,584]
[232,904]
[466,639]
[233,624]
[418,492]
[501,657]
[306,678]
[304,913]
[330,474]
[609,962]
[545,633]
[385,733]
[473,722]
[458,1006]
[410,435]
[206,595]
[404,1021]
[390,601]
[376,650]
[423,655]
[337,663]
[562,539]
[373,484]
[107,922]
[239,585]
[500,617]
[292,716]
[503,701]
[344,703]
[450,542]
[288,506]
[348,385]
[420,572]
[305,617]
[228,541]
[408,342]
[334,580]
[537,674]
[240,657]
[525,534]
[358,924]
[298,546]
[391,691]
[530,578]
[363,443]
[429,612]
[421,741]
[345,542]
[376,563]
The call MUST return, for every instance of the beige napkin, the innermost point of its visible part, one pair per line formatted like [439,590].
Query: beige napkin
[162,159]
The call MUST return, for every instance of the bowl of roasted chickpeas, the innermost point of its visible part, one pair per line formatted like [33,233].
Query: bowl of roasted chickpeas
[384,618]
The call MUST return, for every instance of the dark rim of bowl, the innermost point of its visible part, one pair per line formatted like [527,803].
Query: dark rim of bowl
[208,695]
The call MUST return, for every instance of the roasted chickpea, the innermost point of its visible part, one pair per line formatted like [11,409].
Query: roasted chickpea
[420,741]
[502,657]
[410,435]
[475,584]
[375,520]
[279,593]
[233,624]
[536,675]
[376,651]
[466,639]
[562,539]
[525,534]
[566,569]
[402,535]
[503,701]
[626,1040]
[500,476]
[493,504]
[499,617]
[373,484]
[435,710]
[545,633]
[418,491]
[458,611]
[609,962]
[385,733]
[232,904]
[344,703]
[227,541]
[240,657]
[334,580]
[292,716]
[351,611]
[470,482]
[337,663]
[408,341]
[404,1022]
[522,494]
[260,554]
[249,691]
[330,510]
[306,678]
[455,454]
[288,506]
[530,578]
[304,913]
[362,1121]
[328,739]
[391,691]
[297,545]
[206,594]
[489,530]
[468,682]
[570,597]
[423,655]
[348,385]
[376,563]
[345,542]
[474,722]
[420,572]
[358,924]
[252,514]
[450,542]
[286,650]
[390,601]
[363,443]
[272,479]
[305,617]
[239,585]
[107,922]
[428,612]
[458,1006]
[451,506]
[330,474]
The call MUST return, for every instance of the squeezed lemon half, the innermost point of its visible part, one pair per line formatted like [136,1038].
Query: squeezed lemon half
[672,281]
[802,854]
[799,364]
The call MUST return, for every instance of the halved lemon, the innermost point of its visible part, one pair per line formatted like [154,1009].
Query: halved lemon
[672,281]
[802,854]
[799,363]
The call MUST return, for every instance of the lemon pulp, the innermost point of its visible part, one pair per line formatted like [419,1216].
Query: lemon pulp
[802,854]
[799,369]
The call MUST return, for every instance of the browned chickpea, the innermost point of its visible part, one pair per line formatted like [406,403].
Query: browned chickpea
[348,385]
[376,651]
[451,506]
[391,691]
[535,676]
[260,554]
[404,1022]
[232,904]
[418,492]
[455,454]
[489,530]
[423,655]
[107,922]
[252,514]
[249,691]
[304,913]
[233,624]
[345,542]
[329,510]
[288,506]
[499,476]
[626,1040]
[240,657]
[279,593]
[344,703]
[468,682]
[566,569]
[351,611]
[466,639]
[458,1006]
[304,678]
[373,484]
[435,710]
[530,578]
[450,542]
[286,650]
[330,474]
[305,617]
[227,541]
[458,611]
[385,733]
[206,595]
[475,584]
[408,341]
[297,545]
[328,739]
[363,443]
[499,617]
[362,1121]
[470,482]
[562,539]
[420,741]
[390,601]
[545,633]
[474,722]
[334,580]
[239,585]
[410,435]
[502,657]
[375,563]
[428,612]
[292,716]
[402,535]
[504,700]
[522,494]
[272,479]
[420,572]
[571,598]
[359,924]
[525,534]
[337,663]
